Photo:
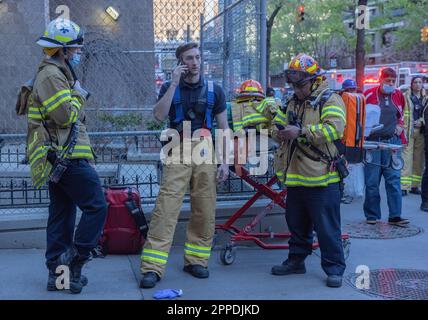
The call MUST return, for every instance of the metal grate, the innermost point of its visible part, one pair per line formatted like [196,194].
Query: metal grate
[403,284]
[381,230]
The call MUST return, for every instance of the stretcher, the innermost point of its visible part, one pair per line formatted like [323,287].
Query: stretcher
[247,233]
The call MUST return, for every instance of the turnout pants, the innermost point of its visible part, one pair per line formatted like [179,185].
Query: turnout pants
[316,208]
[200,230]
[79,185]
[414,161]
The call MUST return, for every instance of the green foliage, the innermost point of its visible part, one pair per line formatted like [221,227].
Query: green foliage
[414,14]
[128,121]
[322,33]
[155,125]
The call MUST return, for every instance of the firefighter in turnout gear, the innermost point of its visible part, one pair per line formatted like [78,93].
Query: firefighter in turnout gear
[59,150]
[307,162]
[187,97]
[251,105]
[413,153]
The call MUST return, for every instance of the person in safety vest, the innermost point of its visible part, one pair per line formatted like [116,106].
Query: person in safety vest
[413,153]
[308,163]
[187,98]
[59,151]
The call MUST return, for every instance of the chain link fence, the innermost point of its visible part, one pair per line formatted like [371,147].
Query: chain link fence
[129,53]
[232,43]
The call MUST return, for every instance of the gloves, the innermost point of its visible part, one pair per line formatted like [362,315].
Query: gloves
[167,294]
[78,88]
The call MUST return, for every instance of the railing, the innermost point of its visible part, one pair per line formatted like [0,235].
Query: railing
[125,158]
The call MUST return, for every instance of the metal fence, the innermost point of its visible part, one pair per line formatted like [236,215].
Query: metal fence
[127,57]
[233,44]
[129,52]
[124,158]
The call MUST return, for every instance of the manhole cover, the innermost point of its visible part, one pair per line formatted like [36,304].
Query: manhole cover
[403,284]
[381,230]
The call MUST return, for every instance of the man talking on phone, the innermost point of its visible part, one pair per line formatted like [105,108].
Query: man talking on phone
[187,97]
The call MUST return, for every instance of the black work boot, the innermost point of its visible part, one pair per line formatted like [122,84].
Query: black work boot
[197,271]
[75,262]
[77,280]
[149,280]
[289,267]
[51,286]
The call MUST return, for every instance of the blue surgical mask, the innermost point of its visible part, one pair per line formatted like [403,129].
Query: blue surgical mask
[75,59]
[387,88]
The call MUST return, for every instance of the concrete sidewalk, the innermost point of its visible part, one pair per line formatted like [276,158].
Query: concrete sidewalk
[24,275]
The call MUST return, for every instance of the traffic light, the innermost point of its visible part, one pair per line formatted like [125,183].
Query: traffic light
[424,34]
[300,13]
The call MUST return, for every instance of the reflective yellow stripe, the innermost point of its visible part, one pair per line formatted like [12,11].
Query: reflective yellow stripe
[334,111]
[311,68]
[198,254]
[148,258]
[329,132]
[72,119]
[254,117]
[37,154]
[57,104]
[156,252]
[55,96]
[299,180]
[192,246]
[155,256]
[281,117]
[62,38]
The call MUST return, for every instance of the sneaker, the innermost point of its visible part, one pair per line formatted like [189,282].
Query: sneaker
[334,281]
[398,221]
[197,271]
[289,267]
[424,206]
[149,280]
[415,190]
[403,193]
[371,221]
[346,199]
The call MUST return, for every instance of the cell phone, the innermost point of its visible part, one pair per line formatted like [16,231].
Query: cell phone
[181,63]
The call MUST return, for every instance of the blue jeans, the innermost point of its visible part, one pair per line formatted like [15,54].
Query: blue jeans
[373,173]
[79,185]
[316,208]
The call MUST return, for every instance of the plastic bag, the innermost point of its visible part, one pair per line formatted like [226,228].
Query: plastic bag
[354,182]
[168,294]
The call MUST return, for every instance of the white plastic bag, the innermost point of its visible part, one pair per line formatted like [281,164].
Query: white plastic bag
[354,182]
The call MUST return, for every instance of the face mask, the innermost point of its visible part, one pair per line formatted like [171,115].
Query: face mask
[75,59]
[388,89]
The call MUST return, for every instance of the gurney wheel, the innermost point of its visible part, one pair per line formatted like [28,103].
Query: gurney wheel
[228,255]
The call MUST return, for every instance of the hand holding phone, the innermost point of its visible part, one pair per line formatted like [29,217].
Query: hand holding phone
[180,71]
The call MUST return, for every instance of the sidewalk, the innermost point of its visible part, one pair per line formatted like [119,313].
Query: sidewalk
[24,275]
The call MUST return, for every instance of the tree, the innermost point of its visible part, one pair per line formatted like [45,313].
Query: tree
[322,33]
[277,6]
[359,50]
[409,17]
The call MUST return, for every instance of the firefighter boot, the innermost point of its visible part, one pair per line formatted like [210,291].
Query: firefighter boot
[75,262]
[290,266]
[52,286]
[77,280]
